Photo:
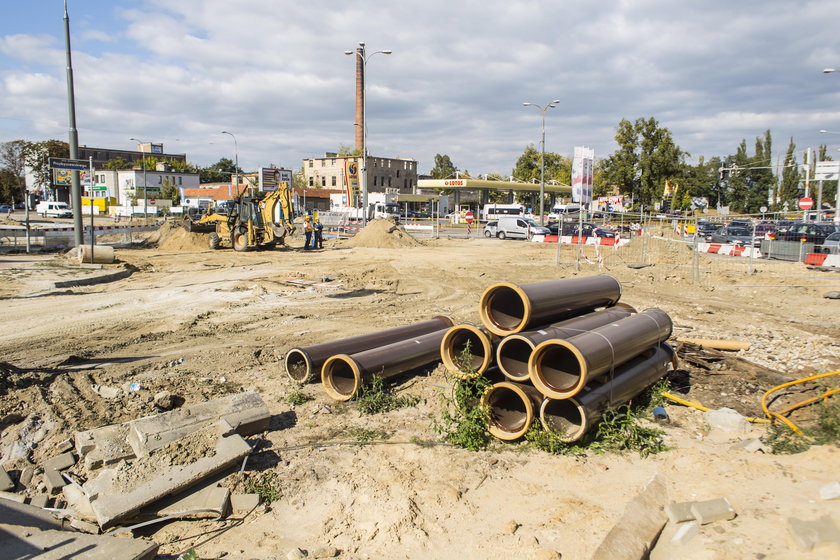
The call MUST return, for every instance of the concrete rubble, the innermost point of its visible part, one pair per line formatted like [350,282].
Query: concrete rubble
[168,464]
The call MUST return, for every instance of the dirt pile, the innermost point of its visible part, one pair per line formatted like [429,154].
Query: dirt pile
[172,237]
[382,234]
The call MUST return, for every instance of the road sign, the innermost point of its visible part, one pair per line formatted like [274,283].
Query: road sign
[65,163]
[99,188]
[151,202]
[806,203]
[763,209]
[469,217]
[827,171]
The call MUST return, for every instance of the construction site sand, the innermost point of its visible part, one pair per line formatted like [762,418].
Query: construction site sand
[382,234]
[172,237]
[203,324]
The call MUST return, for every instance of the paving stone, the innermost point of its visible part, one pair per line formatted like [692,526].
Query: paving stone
[6,483]
[243,503]
[712,510]
[54,481]
[18,498]
[26,474]
[808,534]
[40,501]
[205,503]
[60,463]
[679,512]
[54,544]
[686,532]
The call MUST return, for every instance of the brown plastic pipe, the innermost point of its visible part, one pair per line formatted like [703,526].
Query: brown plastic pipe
[481,344]
[508,309]
[513,407]
[572,418]
[343,375]
[513,351]
[303,363]
[561,368]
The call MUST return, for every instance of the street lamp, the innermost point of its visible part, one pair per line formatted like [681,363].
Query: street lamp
[551,105]
[236,158]
[360,53]
[829,70]
[145,213]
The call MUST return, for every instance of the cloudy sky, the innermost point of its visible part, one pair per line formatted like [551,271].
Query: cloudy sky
[274,73]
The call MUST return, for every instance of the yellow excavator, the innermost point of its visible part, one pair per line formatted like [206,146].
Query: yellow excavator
[250,222]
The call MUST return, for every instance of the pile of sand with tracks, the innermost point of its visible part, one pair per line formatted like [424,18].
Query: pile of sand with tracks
[172,237]
[382,234]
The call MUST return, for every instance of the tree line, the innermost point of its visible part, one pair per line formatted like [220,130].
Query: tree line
[648,162]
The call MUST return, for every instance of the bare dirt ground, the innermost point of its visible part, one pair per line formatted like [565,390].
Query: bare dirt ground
[203,323]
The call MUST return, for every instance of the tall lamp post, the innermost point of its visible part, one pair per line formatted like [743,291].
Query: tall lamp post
[236,158]
[363,58]
[145,198]
[551,105]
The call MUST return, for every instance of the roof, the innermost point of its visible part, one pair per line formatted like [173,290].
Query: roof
[316,193]
[224,192]
[477,184]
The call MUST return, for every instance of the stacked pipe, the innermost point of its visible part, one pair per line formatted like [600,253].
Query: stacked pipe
[565,359]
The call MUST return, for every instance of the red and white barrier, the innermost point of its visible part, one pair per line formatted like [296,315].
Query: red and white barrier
[575,240]
[729,250]
[822,259]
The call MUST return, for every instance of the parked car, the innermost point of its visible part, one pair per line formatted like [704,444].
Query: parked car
[54,209]
[518,227]
[832,243]
[6,208]
[19,205]
[707,228]
[810,233]
[571,228]
[603,232]
[490,229]
[729,235]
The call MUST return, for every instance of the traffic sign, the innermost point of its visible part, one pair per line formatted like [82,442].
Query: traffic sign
[469,217]
[763,209]
[99,188]
[806,203]
[151,202]
[66,163]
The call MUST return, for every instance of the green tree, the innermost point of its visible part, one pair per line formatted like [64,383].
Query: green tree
[789,189]
[345,150]
[557,169]
[12,162]
[37,157]
[218,172]
[169,191]
[117,163]
[444,168]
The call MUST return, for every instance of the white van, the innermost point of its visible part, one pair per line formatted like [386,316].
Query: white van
[561,209]
[519,228]
[54,209]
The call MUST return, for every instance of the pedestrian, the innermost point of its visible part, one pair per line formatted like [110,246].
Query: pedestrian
[307,230]
[318,240]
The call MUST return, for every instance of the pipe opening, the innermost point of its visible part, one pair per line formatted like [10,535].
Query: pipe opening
[564,418]
[509,411]
[558,367]
[461,341]
[339,376]
[297,366]
[512,357]
[505,308]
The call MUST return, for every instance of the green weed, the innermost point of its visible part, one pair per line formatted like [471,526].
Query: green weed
[364,434]
[374,398]
[464,419]
[784,441]
[189,555]
[298,397]
[550,442]
[265,483]
[619,430]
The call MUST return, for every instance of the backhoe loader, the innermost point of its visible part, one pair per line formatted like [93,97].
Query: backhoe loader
[249,222]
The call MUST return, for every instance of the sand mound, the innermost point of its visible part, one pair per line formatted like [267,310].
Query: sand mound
[385,234]
[172,237]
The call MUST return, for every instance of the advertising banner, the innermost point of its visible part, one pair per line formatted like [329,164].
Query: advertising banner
[583,166]
[63,177]
[270,177]
[351,178]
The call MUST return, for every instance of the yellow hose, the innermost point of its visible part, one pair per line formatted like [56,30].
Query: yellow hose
[676,399]
[771,416]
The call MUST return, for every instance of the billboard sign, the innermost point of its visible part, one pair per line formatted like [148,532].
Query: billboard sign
[583,167]
[66,163]
[270,177]
[351,185]
[827,171]
[62,177]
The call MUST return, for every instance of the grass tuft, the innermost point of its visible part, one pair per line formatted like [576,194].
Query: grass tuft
[375,398]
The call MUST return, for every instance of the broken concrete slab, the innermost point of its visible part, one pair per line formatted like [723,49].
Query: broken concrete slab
[712,510]
[113,508]
[104,446]
[819,532]
[243,503]
[679,512]
[632,537]
[19,498]
[6,482]
[245,412]
[26,474]
[25,515]
[830,491]
[78,502]
[210,502]
[753,445]
[727,420]
[40,501]
[60,462]
[54,481]
[53,544]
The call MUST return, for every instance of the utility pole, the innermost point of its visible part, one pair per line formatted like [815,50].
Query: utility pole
[75,186]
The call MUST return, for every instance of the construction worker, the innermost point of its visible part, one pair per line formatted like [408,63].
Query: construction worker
[318,239]
[307,229]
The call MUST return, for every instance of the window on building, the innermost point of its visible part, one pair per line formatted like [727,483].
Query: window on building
[389,181]
[333,180]
[323,181]
[312,181]
[180,181]
[405,183]
[160,179]
[311,163]
[398,173]
[323,163]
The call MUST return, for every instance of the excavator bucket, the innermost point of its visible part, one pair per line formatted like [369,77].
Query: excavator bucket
[198,227]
